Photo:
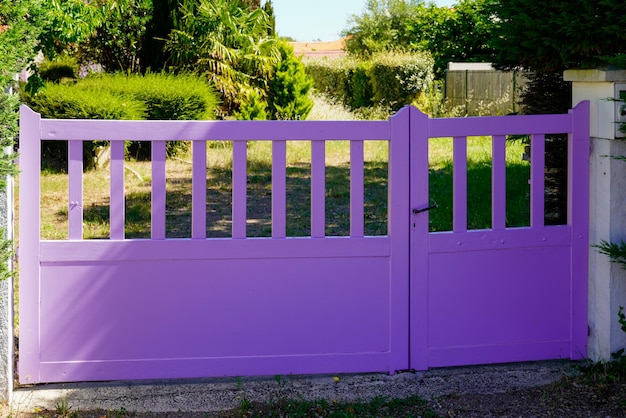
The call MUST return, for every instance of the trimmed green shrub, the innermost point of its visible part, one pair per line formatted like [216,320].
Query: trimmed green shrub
[331,77]
[289,87]
[361,86]
[66,101]
[388,79]
[61,69]
[166,96]
[70,101]
[398,79]
[106,96]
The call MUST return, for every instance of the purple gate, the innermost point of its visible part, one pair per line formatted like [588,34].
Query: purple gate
[170,308]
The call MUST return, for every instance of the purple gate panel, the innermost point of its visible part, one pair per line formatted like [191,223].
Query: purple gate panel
[502,294]
[198,307]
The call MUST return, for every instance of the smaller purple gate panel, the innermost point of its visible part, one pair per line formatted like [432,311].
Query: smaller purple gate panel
[503,294]
[121,308]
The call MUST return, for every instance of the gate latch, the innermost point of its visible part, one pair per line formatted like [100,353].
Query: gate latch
[433,206]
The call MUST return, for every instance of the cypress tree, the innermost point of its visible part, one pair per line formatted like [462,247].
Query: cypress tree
[288,89]
[269,11]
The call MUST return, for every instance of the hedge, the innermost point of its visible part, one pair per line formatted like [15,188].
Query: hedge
[392,79]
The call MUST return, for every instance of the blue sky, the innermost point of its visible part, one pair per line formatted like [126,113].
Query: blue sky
[306,20]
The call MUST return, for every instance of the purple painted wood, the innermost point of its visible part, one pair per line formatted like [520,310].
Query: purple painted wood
[318,189]
[459,199]
[412,299]
[279,189]
[498,182]
[578,218]
[198,190]
[117,208]
[537,182]
[158,189]
[239,189]
[419,195]
[109,130]
[90,251]
[75,204]
[29,235]
[356,189]
[505,294]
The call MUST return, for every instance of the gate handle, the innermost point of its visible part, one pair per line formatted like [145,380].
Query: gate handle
[416,211]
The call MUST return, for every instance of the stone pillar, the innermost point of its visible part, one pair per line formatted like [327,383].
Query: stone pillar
[607,280]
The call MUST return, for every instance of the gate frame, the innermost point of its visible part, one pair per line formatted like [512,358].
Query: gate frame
[406,350]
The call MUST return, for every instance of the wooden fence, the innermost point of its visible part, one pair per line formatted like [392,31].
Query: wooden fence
[484,92]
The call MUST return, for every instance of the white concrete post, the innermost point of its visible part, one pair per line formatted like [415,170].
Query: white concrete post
[607,280]
[6,301]
[6,291]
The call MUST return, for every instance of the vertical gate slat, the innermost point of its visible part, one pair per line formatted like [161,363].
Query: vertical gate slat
[75,174]
[537,180]
[198,194]
[279,183]
[158,189]
[29,235]
[419,239]
[239,189]
[498,179]
[459,200]
[356,189]
[578,219]
[318,189]
[117,207]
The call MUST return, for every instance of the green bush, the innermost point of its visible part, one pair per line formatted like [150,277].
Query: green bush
[331,77]
[251,107]
[387,79]
[289,87]
[118,96]
[67,101]
[71,101]
[398,79]
[61,69]
[361,86]
[166,96]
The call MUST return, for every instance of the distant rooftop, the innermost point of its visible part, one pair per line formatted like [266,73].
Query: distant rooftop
[331,49]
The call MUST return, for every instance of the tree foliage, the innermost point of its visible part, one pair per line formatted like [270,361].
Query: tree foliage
[289,87]
[268,7]
[462,33]
[552,36]
[66,24]
[20,27]
[226,42]
[117,42]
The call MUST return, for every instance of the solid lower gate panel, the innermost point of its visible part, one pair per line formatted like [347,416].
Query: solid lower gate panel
[174,316]
[499,305]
